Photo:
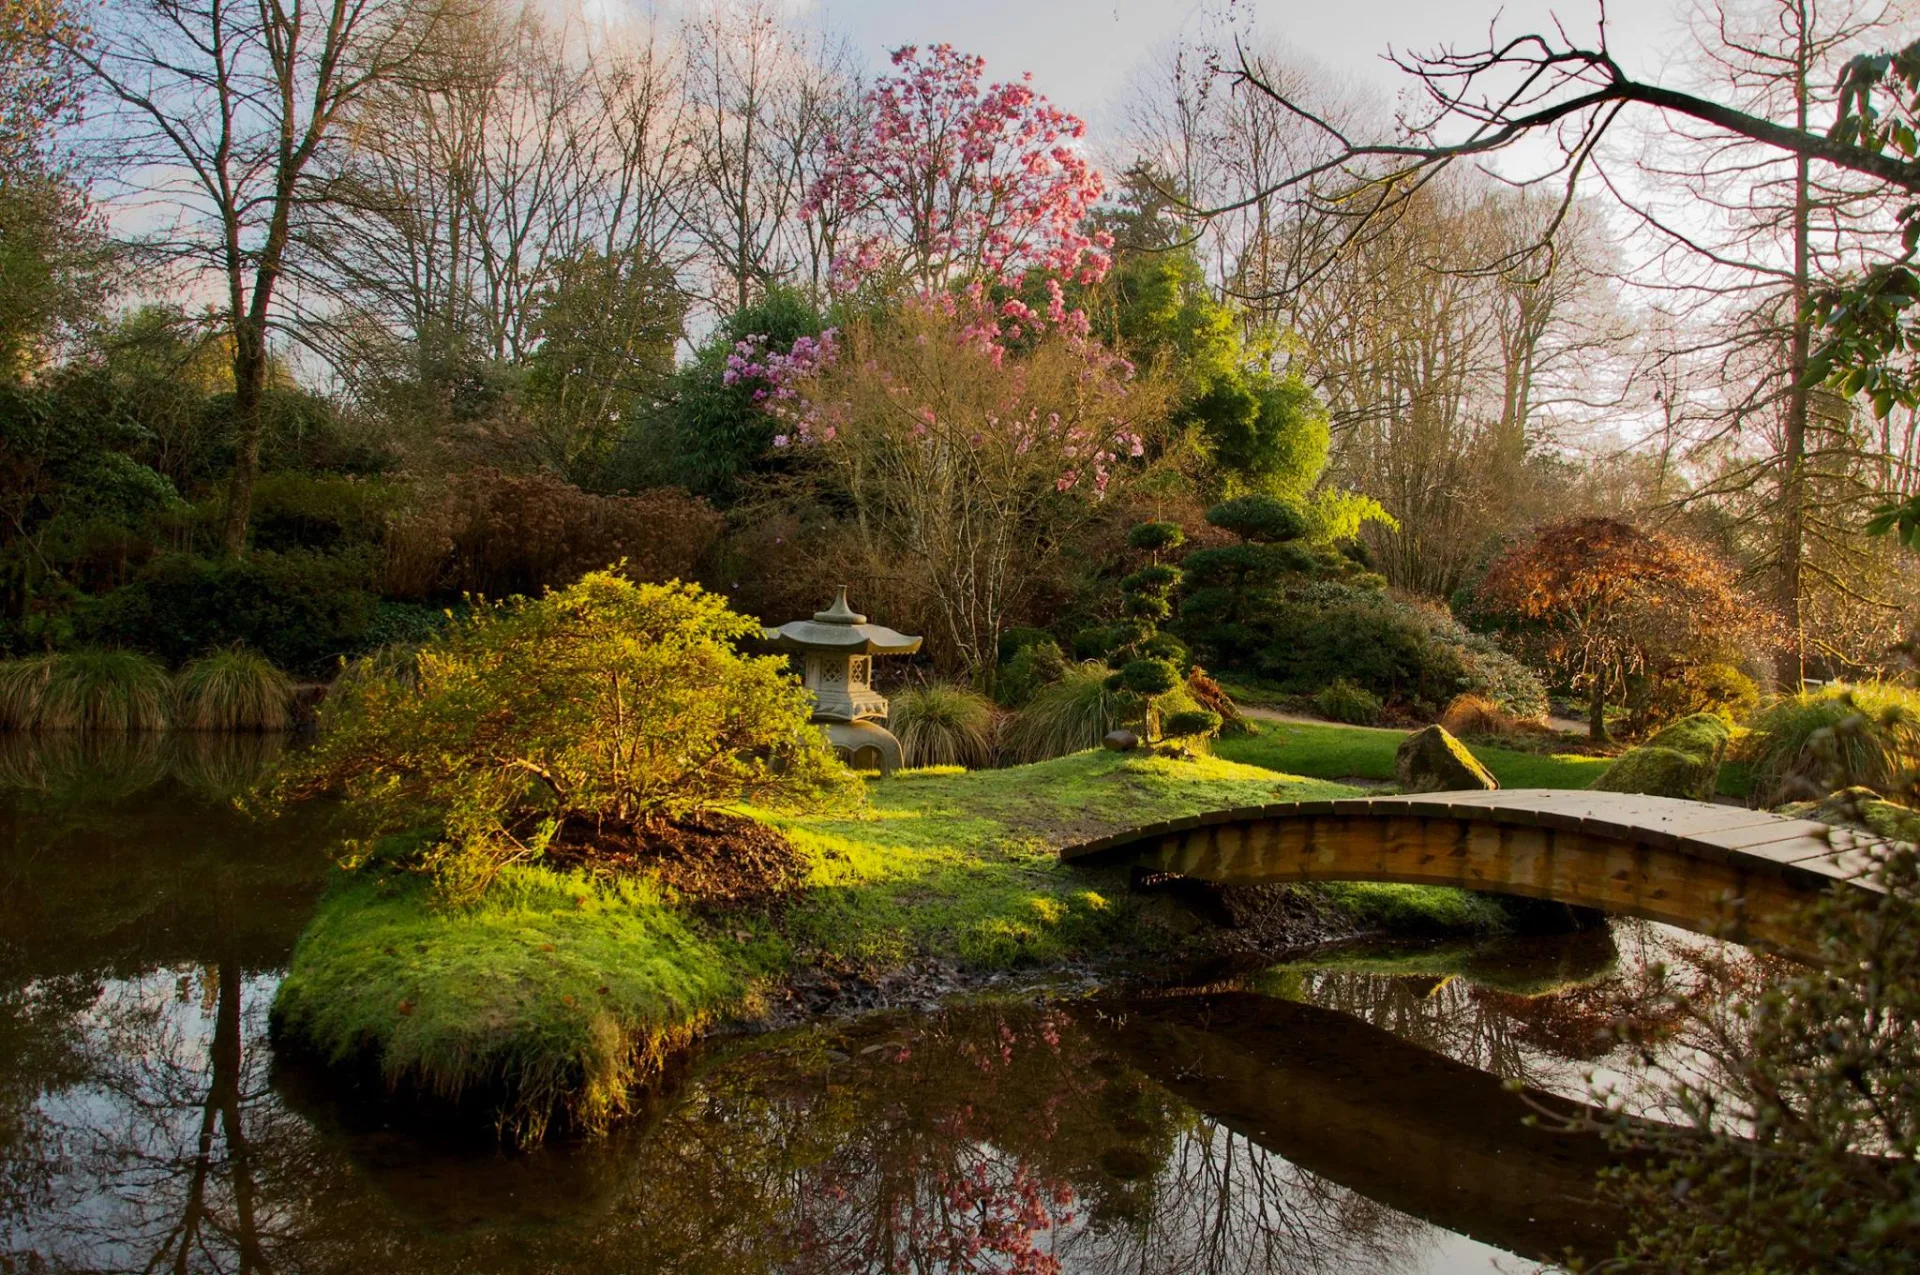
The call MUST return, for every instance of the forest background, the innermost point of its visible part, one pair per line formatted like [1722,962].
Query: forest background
[315,320]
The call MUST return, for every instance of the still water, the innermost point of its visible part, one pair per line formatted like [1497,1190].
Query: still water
[1328,1116]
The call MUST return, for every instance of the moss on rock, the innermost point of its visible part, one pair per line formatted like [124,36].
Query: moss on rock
[1681,760]
[1432,760]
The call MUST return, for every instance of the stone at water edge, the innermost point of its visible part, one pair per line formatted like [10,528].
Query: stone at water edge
[1121,741]
[1432,760]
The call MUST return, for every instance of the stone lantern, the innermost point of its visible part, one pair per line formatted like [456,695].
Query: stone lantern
[838,646]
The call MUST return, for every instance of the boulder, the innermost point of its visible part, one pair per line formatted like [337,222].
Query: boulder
[1682,760]
[1432,760]
[1661,772]
[1121,741]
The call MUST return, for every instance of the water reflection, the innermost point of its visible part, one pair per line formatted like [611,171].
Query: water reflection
[1346,1120]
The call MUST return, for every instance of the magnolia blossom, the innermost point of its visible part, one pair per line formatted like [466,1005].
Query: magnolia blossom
[961,182]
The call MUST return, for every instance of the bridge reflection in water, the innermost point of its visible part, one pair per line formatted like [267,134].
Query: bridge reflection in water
[1431,1137]
[1721,870]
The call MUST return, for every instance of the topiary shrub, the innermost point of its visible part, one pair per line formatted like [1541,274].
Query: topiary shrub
[1191,723]
[1342,701]
[233,690]
[941,724]
[1258,518]
[605,705]
[1156,537]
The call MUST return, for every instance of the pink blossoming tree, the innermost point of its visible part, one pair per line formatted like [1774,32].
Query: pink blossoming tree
[956,183]
[962,465]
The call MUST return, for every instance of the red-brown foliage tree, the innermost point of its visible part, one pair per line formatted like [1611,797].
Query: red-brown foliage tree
[1599,602]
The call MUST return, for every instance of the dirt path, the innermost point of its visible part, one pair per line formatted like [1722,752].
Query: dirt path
[1564,725]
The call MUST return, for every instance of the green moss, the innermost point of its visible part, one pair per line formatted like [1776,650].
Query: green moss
[555,994]
[1681,760]
[1660,772]
[1701,735]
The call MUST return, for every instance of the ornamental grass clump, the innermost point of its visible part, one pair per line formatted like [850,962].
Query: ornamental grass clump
[1861,736]
[606,706]
[941,724]
[233,690]
[1067,716]
[85,690]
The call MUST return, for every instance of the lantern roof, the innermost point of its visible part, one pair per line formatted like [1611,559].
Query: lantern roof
[841,630]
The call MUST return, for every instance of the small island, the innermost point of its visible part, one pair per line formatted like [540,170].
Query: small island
[593,826]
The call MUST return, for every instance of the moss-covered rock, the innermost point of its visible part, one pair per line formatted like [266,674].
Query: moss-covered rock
[1681,760]
[1432,760]
[1702,735]
[1661,772]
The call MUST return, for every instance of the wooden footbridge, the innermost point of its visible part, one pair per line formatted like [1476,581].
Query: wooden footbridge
[1718,870]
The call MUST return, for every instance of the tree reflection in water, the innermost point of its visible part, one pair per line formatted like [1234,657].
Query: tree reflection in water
[977,1140]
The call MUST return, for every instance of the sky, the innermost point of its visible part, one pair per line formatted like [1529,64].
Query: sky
[1083,52]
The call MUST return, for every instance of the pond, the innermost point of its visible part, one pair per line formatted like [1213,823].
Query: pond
[1345,1113]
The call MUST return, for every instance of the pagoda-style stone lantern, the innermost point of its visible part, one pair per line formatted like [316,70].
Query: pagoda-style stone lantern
[839,645]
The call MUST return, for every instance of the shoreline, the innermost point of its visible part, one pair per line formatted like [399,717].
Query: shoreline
[558,997]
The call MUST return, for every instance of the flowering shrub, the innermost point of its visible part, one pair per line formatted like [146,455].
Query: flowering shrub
[959,457]
[608,703]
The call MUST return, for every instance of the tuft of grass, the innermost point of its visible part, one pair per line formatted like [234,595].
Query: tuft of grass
[1479,717]
[1806,746]
[1324,750]
[941,724]
[234,690]
[23,688]
[1067,716]
[93,691]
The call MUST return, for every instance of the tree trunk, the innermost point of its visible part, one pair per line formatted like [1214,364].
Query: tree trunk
[1597,716]
[1791,663]
[249,393]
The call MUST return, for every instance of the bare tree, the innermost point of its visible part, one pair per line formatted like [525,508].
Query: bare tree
[1736,236]
[761,98]
[216,117]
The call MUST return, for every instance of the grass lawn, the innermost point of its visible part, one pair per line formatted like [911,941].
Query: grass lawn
[1328,750]
[558,992]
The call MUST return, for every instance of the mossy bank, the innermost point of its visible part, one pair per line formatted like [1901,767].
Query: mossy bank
[556,994]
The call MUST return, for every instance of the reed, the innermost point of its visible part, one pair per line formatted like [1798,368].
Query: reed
[1808,745]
